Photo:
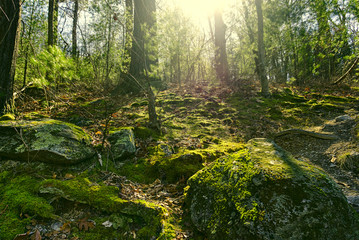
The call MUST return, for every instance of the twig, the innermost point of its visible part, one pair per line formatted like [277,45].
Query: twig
[347,72]
[4,14]
[2,212]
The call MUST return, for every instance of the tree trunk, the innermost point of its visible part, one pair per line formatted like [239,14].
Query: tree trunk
[140,60]
[251,35]
[52,22]
[10,20]
[261,51]
[27,46]
[74,28]
[108,68]
[221,62]
[128,34]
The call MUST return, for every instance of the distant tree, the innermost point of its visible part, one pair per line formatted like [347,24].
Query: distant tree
[30,31]
[221,61]
[9,36]
[128,31]
[261,50]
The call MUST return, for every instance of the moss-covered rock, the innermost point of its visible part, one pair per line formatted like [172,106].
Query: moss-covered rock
[7,116]
[144,133]
[46,140]
[19,198]
[122,143]
[262,192]
[151,219]
[34,115]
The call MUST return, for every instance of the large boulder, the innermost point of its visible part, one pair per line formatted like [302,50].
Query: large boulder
[262,192]
[47,140]
[122,143]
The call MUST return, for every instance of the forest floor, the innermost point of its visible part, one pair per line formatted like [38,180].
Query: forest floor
[205,121]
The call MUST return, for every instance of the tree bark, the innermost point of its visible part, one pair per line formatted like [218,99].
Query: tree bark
[74,28]
[128,34]
[251,35]
[52,22]
[10,20]
[261,50]
[140,55]
[221,62]
[30,31]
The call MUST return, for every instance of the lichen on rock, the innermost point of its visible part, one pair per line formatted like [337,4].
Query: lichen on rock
[45,140]
[122,143]
[263,192]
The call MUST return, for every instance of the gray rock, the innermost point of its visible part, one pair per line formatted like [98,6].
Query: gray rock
[165,149]
[263,192]
[122,143]
[45,140]
[343,118]
[353,200]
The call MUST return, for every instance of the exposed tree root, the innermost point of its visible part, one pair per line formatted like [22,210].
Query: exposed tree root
[308,133]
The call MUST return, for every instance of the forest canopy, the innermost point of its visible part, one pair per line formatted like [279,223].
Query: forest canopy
[186,42]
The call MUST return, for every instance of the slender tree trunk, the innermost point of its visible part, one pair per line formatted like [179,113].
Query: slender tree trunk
[9,37]
[109,37]
[251,36]
[74,28]
[221,62]
[56,22]
[261,51]
[52,22]
[129,26]
[27,46]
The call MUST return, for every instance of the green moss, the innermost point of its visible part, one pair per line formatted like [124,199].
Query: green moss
[322,106]
[141,171]
[185,163]
[35,115]
[263,187]
[7,116]
[116,129]
[349,160]
[226,192]
[19,196]
[172,124]
[144,133]
[106,198]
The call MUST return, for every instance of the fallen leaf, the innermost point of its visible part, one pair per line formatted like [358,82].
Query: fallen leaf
[36,235]
[85,224]
[23,236]
[69,176]
[66,228]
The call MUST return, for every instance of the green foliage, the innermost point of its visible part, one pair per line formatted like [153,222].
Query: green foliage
[55,68]
[181,48]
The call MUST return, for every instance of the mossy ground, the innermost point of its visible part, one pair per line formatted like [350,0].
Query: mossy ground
[197,128]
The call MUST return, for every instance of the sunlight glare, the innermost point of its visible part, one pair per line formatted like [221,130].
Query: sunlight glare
[200,9]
